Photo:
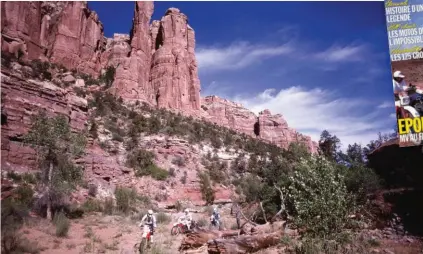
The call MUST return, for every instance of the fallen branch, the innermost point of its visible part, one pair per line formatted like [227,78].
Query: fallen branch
[244,244]
[282,205]
[262,210]
[194,240]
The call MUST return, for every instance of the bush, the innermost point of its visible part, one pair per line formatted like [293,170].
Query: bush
[179,161]
[80,92]
[40,68]
[319,198]
[207,191]
[125,199]
[62,224]
[361,181]
[184,178]
[92,205]
[108,206]
[142,161]
[24,195]
[202,222]
[92,190]
[163,218]
[172,172]
[109,76]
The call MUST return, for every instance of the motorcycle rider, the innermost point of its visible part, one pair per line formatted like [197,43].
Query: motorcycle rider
[215,217]
[150,220]
[187,218]
[400,86]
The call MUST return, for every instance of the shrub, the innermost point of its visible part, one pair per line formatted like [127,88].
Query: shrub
[207,191]
[80,92]
[142,161]
[184,178]
[109,76]
[163,218]
[361,181]
[92,190]
[14,176]
[92,205]
[62,225]
[40,68]
[202,222]
[179,206]
[172,172]
[125,199]
[24,195]
[179,161]
[29,178]
[108,206]
[319,198]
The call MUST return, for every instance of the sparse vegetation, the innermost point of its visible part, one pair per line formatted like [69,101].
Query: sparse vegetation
[56,146]
[142,161]
[163,218]
[62,224]
[207,191]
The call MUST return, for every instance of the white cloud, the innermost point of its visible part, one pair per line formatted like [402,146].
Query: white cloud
[312,111]
[237,55]
[338,53]
[387,104]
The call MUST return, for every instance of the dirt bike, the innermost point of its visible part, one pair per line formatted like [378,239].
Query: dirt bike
[145,239]
[214,224]
[410,105]
[180,228]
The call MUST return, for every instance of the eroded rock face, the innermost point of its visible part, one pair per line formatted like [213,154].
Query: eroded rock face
[132,75]
[229,114]
[22,99]
[76,39]
[20,28]
[174,74]
[67,33]
[270,128]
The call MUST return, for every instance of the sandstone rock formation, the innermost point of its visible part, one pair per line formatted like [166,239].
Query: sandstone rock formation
[67,33]
[156,63]
[20,100]
[268,127]
[132,75]
[21,29]
[174,75]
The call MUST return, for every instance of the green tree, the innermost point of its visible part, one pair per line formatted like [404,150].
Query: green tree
[329,145]
[318,197]
[207,191]
[56,147]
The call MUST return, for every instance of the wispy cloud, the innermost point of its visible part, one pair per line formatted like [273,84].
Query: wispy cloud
[312,111]
[238,55]
[387,104]
[338,53]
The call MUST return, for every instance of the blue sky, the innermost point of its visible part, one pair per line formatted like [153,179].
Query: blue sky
[322,65]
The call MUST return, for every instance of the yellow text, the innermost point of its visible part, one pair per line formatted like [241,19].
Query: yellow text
[405,124]
[390,3]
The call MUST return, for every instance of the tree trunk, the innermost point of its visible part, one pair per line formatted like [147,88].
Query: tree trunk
[243,244]
[50,174]
[194,240]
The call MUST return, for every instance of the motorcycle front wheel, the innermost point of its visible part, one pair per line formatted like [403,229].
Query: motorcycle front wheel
[175,230]
[143,246]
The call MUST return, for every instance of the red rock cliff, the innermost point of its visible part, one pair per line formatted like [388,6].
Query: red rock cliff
[66,33]
[268,127]
[156,63]
[132,75]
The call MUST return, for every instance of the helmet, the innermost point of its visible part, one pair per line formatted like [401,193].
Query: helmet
[186,210]
[150,212]
[215,209]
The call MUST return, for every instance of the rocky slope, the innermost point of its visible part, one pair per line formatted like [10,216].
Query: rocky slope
[156,63]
